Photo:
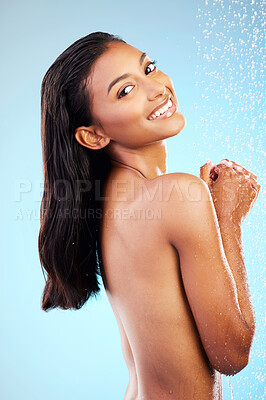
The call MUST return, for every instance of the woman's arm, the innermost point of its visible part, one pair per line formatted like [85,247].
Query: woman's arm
[234,191]
[224,320]
[232,242]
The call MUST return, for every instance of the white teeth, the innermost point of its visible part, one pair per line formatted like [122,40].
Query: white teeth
[162,110]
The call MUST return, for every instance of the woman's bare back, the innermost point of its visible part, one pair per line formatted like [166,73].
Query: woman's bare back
[142,278]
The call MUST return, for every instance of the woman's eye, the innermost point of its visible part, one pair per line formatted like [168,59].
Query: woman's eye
[150,67]
[125,91]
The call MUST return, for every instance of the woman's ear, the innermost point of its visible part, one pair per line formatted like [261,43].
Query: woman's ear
[90,137]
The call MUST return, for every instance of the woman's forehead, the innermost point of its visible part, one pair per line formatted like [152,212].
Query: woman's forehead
[118,51]
[118,59]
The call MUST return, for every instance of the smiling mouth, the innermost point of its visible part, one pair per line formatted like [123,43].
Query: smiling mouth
[165,111]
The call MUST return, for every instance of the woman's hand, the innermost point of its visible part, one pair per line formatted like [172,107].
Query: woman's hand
[234,189]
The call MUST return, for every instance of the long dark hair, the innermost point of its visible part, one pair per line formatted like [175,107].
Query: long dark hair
[70,208]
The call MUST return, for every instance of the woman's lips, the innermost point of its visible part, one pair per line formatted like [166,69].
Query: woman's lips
[160,106]
[167,114]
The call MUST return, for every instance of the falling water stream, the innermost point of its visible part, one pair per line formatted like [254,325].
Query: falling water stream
[230,82]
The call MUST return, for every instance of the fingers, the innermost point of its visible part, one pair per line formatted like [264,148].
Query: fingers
[205,171]
[229,168]
[248,186]
[222,169]
[253,185]
[231,171]
[237,167]
[253,182]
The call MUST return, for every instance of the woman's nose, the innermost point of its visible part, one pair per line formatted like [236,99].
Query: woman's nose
[155,89]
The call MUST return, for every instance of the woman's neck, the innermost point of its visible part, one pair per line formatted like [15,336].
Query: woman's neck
[150,161]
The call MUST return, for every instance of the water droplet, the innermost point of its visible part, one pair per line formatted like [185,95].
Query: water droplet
[231,88]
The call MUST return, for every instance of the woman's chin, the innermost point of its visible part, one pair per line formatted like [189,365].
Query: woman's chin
[183,122]
[179,124]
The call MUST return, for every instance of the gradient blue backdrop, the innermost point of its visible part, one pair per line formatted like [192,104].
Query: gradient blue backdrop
[213,51]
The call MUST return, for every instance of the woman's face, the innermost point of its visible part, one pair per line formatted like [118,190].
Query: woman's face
[126,90]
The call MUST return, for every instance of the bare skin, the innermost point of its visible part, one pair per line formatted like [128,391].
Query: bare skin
[173,266]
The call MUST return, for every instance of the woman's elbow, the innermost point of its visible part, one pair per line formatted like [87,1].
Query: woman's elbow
[242,353]
[233,368]
[233,362]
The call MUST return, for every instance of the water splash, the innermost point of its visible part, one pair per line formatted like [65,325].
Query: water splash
[230,105]
[231,387]
[230,77]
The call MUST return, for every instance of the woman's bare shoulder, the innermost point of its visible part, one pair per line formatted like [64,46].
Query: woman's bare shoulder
[177,196]
[185,200]
[176,177]
[179,186]
[183,177]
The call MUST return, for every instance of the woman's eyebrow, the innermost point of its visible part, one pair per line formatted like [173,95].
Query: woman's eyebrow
[143,55]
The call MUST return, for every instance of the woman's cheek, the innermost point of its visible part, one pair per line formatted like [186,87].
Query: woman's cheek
[128,115]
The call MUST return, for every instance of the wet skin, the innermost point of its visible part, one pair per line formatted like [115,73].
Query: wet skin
[173,266]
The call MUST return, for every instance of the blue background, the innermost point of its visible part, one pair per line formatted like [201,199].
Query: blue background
[213,51]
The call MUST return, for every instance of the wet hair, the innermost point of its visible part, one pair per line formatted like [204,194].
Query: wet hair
[73,175]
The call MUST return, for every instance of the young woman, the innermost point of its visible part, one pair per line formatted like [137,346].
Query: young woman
[168,246]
